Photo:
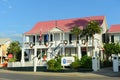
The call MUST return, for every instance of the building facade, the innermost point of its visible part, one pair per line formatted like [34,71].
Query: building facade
[114,33]
[4,44]
[49,39]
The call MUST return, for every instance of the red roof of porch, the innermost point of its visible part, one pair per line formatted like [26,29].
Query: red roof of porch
[114,29]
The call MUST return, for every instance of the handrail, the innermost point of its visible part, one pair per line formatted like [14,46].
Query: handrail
[58,46]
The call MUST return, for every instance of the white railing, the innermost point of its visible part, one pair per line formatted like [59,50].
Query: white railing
[14,64]
[55,43]
[26,64]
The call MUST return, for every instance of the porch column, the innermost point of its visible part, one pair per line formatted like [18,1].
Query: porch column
[102,56]
[22,57]
[35,59]
[53,36]
[60,37]
[79,52]
[41,54]
[63,52]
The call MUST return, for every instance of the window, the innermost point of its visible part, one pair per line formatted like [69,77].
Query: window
[112,38]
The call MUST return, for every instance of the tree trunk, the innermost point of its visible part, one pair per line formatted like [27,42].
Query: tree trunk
[87,47]
[93,47]
[76,47]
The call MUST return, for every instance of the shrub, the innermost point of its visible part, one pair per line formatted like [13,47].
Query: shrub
[106,63]
[54,65]
[51,64]
[57,66]
[12,59]
[76,58]
[86,62]
[75,65]
[58,59]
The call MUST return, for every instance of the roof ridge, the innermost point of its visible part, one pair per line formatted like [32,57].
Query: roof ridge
[69,19]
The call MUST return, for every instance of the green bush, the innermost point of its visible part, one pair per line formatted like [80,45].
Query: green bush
[76,58]
[51,64]
[75,65]
[86,62]
[54,65]
[57,66]
[12,59]
[58,59]
[106,63]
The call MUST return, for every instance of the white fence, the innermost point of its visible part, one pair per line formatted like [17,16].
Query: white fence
[25,64]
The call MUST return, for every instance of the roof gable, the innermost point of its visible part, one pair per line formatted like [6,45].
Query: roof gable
[55,30]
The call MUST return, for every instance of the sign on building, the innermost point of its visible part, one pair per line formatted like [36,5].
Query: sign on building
[66,61]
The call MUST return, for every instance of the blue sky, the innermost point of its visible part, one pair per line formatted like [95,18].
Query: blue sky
[19,16]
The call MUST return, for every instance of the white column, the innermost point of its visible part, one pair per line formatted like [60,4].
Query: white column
[115,63]
[53,37]
[22,56]
[63,52]
[95,63]
[79,52]
[60,37]
[35,59]
[48,54]
[41,54]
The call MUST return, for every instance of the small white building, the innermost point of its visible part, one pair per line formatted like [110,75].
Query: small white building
[114,33]
[53,38]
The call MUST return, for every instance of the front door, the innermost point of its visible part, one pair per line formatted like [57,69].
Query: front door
[83,51]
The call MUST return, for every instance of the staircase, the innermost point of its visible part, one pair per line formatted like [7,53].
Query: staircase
[53,53]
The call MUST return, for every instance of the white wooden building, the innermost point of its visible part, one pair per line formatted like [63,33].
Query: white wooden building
[53,38]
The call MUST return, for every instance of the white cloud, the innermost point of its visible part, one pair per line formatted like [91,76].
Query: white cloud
[17,35]
[12,36]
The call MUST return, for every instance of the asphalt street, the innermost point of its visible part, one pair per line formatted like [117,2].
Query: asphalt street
[21,75]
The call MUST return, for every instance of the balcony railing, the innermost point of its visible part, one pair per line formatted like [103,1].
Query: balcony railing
[55,43]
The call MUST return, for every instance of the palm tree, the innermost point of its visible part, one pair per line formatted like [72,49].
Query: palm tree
[92,28]
[76,31]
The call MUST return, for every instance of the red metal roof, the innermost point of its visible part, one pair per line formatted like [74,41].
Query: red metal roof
[65,25]
[114,28]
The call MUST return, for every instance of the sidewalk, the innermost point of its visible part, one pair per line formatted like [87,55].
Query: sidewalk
[105,72]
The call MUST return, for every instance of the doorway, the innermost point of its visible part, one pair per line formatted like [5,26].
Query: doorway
[83,51]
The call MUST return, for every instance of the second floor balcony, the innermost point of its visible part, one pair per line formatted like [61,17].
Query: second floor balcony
[54,39]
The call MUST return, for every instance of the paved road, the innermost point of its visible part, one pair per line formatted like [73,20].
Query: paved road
[100,75]
[14,76]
